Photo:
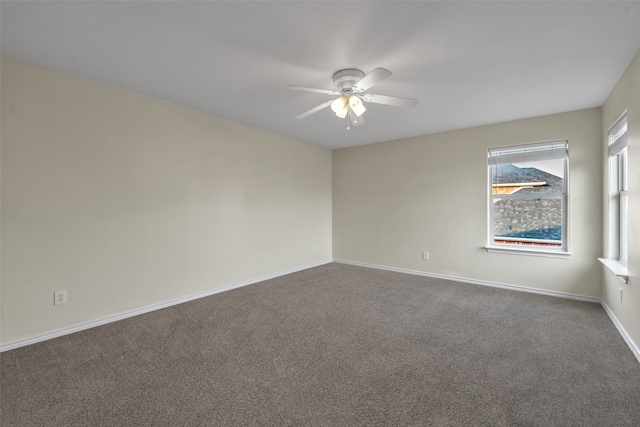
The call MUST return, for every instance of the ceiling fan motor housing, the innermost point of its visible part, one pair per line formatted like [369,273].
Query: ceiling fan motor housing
[345,79]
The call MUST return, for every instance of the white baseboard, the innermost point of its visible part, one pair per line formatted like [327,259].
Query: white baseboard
[632,346]
[10,345]
[124,315]
[476,282]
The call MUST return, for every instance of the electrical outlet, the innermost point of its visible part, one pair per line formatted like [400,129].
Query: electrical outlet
[59,297]
[425,255]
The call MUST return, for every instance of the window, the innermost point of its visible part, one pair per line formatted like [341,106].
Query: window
[618,183]
[528,198]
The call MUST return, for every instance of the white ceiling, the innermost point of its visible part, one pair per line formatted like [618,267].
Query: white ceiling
[468,63]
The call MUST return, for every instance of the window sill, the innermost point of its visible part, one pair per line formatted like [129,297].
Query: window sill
[530,252]
[617,268]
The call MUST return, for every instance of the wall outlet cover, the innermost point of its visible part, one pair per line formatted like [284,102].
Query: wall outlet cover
[59,297]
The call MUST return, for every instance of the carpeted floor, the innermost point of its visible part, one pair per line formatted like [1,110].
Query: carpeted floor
[336,345]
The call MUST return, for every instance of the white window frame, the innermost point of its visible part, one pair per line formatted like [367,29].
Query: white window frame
[521,154]
[618,165]
[617,255]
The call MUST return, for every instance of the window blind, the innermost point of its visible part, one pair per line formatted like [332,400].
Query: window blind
[529,153]
[618,136]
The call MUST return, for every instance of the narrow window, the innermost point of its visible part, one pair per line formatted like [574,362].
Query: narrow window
[619,182]
[528,197]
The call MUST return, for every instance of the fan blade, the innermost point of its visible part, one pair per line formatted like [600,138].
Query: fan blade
[374,77]
[357,121]
[315,109]
[396,101]
[313,89]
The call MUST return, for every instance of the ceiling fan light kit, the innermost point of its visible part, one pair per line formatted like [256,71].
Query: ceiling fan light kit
[352,84]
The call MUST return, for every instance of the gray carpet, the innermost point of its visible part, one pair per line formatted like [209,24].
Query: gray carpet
[336,345]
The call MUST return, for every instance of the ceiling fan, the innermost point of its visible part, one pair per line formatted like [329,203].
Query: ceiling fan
[351,85]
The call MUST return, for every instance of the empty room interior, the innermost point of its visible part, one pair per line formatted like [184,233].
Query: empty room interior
[320,213]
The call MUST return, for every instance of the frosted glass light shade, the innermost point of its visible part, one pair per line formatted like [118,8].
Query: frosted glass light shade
[343,113]
[339,104]
[356,105]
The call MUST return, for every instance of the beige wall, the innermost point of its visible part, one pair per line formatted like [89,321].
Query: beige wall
[126,201]
[625,96]
[393,200]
